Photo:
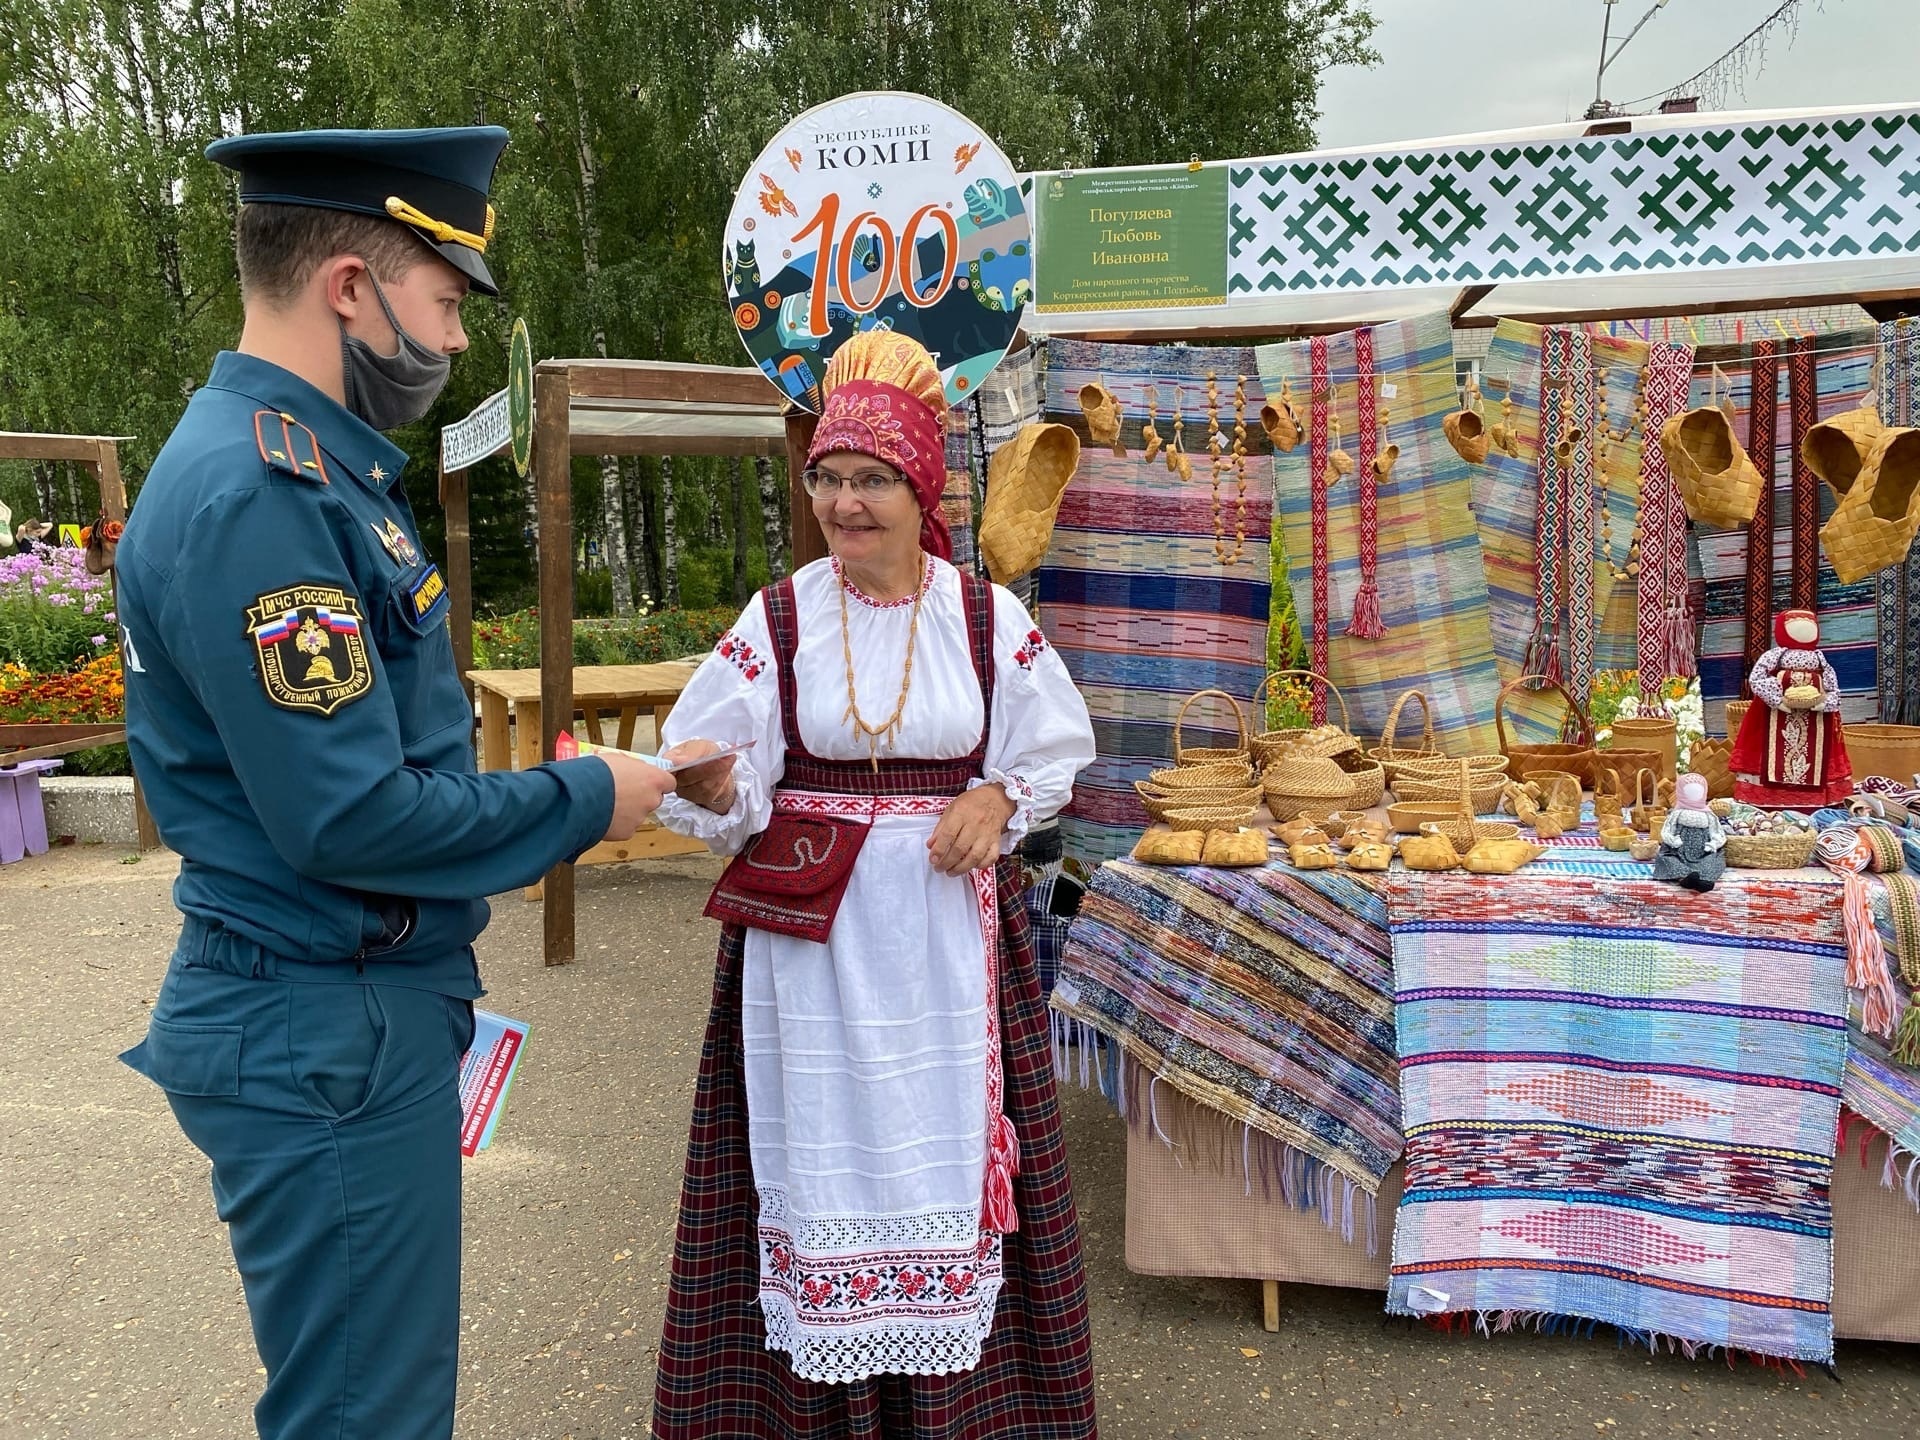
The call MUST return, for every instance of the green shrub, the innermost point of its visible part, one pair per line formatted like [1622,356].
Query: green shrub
[512,642]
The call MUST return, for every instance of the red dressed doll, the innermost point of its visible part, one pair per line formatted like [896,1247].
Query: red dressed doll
[1789,754]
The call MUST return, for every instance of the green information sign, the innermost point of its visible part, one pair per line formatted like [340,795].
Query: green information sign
[1132,239]
[520,396]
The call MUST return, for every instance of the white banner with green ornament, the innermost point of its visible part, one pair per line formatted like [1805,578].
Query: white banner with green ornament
[1661,214]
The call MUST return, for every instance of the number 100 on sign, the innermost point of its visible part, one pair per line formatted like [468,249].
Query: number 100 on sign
[878,211]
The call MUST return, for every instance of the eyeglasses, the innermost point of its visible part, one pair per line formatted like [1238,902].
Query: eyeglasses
[867,485]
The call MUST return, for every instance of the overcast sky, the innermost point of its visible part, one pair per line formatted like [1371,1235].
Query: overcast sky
[1450,67]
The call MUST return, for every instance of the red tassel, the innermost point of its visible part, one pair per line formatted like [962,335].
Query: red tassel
[1680,657]
[1366,623]
[1003,1163]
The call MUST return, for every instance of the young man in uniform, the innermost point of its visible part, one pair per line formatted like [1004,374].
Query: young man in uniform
[305,746]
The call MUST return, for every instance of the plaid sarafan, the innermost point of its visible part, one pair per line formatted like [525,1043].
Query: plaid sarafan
[1433,591]
[717,1378]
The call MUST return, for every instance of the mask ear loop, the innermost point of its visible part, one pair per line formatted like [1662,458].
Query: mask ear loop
[401,338]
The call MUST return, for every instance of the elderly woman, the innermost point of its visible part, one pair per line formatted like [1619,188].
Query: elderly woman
[877,1234]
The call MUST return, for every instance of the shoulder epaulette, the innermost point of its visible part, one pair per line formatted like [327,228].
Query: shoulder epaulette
[288,446]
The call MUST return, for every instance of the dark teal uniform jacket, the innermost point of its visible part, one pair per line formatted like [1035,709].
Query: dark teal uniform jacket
[292,705]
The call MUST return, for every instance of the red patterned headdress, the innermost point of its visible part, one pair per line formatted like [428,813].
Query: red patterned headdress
[884,398]
[1796,630]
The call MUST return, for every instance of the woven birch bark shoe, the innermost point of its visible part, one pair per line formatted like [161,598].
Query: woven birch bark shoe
[1875,523]
[1467,433]
[1836,449]
[1102,409]
[1282,426]
[1718,483]
[1026,479]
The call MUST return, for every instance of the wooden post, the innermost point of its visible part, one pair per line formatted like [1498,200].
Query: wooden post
[113,491]
[808,543]
[1270,1306]
[553,471]
[456,502]
[113,503]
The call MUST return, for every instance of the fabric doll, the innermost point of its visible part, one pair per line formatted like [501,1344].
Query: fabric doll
[1692,842]
[1789,754]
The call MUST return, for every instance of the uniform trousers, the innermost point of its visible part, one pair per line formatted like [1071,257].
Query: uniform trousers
[331,1114]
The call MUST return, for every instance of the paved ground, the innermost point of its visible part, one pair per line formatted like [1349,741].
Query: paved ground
[121,1315]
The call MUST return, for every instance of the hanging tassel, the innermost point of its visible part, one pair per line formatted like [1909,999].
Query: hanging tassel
[1366,623]
[1003,1163]
[1906,1044]
[1867,961]
[1679,640]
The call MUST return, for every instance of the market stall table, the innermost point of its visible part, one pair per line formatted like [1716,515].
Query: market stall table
[510,730]
[1267,995]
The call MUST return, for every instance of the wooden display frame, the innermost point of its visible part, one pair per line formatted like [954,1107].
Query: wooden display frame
[717,396]
[99,454]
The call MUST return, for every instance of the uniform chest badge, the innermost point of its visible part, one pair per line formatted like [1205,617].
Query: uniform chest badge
[395,542]
[312,652]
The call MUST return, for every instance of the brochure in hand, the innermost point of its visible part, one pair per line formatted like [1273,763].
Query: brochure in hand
[567,747]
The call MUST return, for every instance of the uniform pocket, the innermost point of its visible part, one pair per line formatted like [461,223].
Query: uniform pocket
[336,1044]
[189,1059]
[460,1024]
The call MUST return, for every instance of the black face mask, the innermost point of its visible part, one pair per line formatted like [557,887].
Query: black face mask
[388,391]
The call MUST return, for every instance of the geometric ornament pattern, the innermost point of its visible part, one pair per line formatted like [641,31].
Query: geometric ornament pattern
[1705,198]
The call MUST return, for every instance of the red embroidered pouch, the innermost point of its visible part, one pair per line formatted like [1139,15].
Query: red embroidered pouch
[791,877]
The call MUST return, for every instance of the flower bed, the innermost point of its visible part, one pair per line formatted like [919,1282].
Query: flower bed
[53,614]
[91,694]
[58,661]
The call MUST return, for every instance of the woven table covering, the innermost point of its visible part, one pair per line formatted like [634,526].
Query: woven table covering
[1264,994]
[1621,1102]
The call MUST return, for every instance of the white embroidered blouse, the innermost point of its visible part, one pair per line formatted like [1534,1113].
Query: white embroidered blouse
[871,1062]
[1041,736]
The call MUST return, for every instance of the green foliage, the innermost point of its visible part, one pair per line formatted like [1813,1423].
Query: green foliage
[631,123]
[512,642]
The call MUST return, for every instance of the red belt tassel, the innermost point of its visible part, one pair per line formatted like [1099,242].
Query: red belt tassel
[1366,623]
[1762,398]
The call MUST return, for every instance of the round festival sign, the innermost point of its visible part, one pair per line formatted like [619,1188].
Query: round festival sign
[879,210]
[520,395]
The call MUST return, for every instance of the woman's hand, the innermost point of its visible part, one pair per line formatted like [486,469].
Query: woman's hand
[968,835]
[709,786]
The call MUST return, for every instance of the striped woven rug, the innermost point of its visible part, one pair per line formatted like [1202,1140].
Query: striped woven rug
[1506,503]
[1263,994]
[1433,589]
[1624,1112]
[1136,600]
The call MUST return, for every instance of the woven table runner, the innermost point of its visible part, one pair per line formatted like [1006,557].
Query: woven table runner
[1582,497]
[1665,621]
[1762,402]
[1804,579]
[1317,462]
[1365,624]
[1543,650]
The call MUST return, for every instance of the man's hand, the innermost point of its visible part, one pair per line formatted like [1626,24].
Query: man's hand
[709,786]
[638,789]
[968,835]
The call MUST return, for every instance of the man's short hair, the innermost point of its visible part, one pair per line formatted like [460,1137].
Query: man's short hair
[280,246]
